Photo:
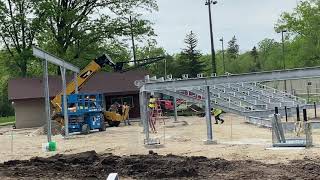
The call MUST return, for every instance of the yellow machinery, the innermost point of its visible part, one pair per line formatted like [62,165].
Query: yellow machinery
[113,118]
[84,76]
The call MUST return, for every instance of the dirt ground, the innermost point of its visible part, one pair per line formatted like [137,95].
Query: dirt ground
[241,149]
[90,165]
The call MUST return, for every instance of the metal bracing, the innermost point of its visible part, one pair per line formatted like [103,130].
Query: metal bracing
[275,94]
[215,104]
[303,73]
[243,101]
[290,96]
[53,59]
[249,99]
[273,101]
[222,101]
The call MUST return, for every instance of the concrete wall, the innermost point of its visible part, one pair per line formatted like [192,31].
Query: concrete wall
[29,113]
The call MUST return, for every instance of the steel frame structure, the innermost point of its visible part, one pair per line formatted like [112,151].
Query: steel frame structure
[47,57]
[169,86]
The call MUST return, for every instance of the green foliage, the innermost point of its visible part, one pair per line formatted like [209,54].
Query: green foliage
[255,55]
[190,56]
[17,32]
[233,49]
[303,25]
[7,120]
[74,29]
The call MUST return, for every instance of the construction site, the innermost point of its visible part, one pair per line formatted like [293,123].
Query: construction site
[73,105]
[264,133]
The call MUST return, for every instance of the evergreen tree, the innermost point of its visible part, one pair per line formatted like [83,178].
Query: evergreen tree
[189,57]
[233,48]
[254,53]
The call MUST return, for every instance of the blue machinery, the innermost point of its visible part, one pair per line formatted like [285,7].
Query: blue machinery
[85,113]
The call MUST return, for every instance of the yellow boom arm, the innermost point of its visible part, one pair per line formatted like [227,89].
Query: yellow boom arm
[84,76]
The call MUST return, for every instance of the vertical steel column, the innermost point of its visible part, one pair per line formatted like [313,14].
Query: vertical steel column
[298,113]
[65,107]
[305,116]
[141,109]
[76,88]
[286,113]
[144,114]
[175,108]
[208,116]
[315,109]
[47,99]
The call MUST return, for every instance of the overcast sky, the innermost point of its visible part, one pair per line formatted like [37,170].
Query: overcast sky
[249,20]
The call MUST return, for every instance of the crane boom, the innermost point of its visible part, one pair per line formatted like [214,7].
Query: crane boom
[93,67]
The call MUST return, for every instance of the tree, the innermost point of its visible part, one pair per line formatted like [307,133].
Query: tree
[254,53]
[69,24]
[17,31]
[303,24]
[233,48]
[189,58]
[151,50]
[270,54]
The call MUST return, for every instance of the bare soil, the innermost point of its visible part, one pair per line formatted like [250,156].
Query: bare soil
[241,153]
[90,165]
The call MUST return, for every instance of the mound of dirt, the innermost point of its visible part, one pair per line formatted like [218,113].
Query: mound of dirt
[90,165]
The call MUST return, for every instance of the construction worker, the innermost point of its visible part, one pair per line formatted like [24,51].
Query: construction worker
[152,102]
[114,107]
[125,110]
[216,113]
[152,106]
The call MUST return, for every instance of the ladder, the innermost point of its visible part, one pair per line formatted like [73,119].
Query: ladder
[155,115]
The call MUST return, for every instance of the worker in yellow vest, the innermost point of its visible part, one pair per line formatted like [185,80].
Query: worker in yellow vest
[152,102]
[152,106]
[216,113]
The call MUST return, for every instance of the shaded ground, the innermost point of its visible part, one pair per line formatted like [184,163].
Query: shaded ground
[90,165]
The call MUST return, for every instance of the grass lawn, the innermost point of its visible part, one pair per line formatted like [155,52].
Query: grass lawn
[7,120]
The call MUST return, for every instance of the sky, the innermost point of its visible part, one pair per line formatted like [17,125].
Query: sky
[249,20]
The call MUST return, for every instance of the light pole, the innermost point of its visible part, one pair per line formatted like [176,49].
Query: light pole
[283,56]
[222,47]
[214,67]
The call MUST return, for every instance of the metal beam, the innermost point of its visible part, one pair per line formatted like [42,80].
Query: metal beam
[302,73]
[53,59]
[47,99]
[208,116]
[65,106]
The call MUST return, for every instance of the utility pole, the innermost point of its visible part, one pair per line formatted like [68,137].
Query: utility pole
[222,47]
[133,44]
[283,57]
[214,66]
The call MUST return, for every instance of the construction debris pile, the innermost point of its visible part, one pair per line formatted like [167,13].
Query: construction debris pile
[90,165]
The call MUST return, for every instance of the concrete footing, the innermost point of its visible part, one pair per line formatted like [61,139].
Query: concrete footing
[210,142]
[176,124]
[154,146]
